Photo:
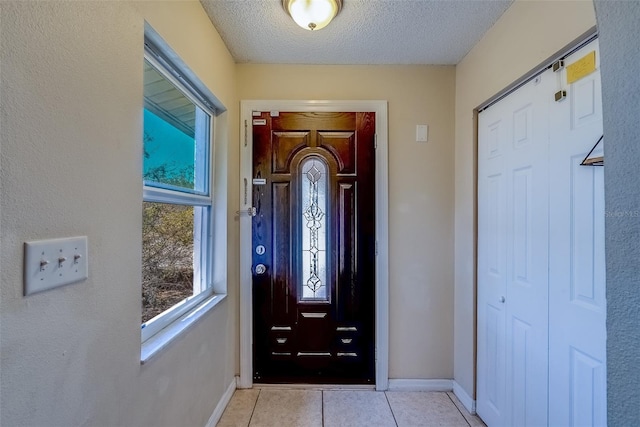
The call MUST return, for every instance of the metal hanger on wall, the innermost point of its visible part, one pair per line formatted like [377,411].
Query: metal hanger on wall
[593,161]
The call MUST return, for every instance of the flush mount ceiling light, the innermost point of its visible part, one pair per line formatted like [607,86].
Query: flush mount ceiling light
[312,14]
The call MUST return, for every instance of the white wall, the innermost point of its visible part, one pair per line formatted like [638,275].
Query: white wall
[420,194]
[528,33]
[71,164]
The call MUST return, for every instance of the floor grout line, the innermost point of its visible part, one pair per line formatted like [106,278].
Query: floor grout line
[322,405]
[461,414]
[390,408]
[254,407]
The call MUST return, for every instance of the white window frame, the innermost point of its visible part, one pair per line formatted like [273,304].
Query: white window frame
[203,218]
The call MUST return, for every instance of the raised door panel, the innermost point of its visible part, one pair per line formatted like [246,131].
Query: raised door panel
[522,215]
[285,146]
[342,145]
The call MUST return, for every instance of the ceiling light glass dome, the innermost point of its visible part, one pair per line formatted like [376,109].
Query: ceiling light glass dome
[312,14]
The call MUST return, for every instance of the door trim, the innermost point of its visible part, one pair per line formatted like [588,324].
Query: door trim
[382,225]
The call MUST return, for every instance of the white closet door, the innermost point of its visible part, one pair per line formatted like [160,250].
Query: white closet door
[513,227]
[492,260]
[577,337]
[541,267]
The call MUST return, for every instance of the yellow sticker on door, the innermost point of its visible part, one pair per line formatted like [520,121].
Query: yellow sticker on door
[581,68]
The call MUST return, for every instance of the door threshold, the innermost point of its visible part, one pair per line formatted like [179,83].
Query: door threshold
[316,386]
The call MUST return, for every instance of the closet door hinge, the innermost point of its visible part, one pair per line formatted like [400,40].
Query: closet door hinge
[560,95]
[557,66]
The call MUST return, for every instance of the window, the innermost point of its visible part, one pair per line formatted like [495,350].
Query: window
[177,201]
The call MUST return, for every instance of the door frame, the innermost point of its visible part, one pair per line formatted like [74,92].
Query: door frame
[382,225]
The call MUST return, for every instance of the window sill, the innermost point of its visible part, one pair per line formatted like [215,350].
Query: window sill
[162,339]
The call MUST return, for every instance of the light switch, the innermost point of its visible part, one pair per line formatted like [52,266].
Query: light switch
[422,133]
[52,263]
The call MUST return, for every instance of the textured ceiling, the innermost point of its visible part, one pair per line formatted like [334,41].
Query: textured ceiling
[365,31]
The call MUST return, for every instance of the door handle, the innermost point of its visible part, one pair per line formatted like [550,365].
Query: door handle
[501,299]
[261,269]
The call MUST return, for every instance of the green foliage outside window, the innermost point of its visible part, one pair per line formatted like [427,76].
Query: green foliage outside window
[167,249]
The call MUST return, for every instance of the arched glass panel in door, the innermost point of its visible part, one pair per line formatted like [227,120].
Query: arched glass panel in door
[314,184]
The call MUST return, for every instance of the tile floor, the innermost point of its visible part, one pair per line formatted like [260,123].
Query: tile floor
[266,407]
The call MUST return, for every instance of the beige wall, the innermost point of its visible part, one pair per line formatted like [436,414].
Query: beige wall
[528,33]
[71,165]
[71,119]
[420,193]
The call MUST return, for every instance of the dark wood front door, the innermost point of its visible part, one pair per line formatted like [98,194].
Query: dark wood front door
[313,247]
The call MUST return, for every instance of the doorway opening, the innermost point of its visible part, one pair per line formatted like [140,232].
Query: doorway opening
[310,321]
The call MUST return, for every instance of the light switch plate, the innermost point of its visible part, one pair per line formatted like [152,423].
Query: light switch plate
[52,263]
[422,133]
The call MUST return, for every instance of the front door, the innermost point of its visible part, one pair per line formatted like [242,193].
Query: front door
[313,238]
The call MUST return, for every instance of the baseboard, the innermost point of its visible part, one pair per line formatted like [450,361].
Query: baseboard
[315,386]
[420,385]
[464,398]
[222,404]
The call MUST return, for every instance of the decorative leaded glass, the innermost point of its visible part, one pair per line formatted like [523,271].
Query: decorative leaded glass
[314,229]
